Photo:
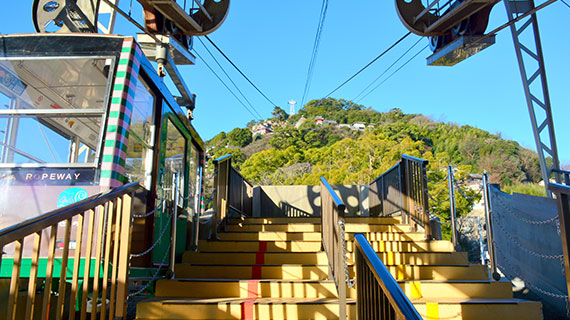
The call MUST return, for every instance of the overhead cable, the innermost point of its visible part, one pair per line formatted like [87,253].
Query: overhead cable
[225,85]
[314,53]
[566,3]
[370,63]
[238,69]
[393,73]
[390,67]
[227,75]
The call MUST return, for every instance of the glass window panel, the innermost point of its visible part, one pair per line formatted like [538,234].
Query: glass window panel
[62,83]
[46,140]
[57,85]
[138,166]
[142,117]
[175,160]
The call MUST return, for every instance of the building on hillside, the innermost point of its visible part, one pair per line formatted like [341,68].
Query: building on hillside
[319,120]
[330,122]
[261,129]
[345,125]
[300,122]
[360,126]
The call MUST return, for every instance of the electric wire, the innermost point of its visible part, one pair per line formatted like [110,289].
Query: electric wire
[370,63]
[227,75]
[225,85]
[566,3]
[393,73]
[390,67]
[314,53]
[238,69]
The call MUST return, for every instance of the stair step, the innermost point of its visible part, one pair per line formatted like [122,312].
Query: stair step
[284,227]
[314,246]
[239,308]
[429,289]
[287,272]
[320,272]
[219,288]
[309,227]
[236,288]
[315,220]
[255,257]
[253,245]
[504,309]
[389,236]
[389,258]
[316,236]
[271,236]
[407,246]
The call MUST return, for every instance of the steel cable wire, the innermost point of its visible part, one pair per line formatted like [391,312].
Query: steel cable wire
[517,215]
[523,247]
[370,63]
[136,255]
[238,69]
[314,53]
[512,268]
[155,275]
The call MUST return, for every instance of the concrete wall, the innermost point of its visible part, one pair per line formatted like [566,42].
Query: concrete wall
[272,201]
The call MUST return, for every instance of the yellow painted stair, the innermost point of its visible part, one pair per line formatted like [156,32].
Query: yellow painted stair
[273,268]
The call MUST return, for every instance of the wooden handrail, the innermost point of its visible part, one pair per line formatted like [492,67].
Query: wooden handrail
[232,190]
[377,293]
[103,250]
[30,226]
[332,232]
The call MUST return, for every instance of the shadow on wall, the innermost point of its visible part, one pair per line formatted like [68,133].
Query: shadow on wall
[305,201]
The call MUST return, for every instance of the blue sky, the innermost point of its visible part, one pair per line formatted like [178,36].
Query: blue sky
[271,41]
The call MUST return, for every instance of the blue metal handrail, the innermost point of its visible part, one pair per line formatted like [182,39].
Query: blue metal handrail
[337,201]
[398,301]
[222,158]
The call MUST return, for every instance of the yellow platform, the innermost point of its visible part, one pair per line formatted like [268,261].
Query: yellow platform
[273,268]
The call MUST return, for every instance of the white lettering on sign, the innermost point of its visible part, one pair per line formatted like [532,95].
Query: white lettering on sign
[52,176]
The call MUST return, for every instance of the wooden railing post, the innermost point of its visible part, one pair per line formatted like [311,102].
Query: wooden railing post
[332,232]
[114,227]
[124,259]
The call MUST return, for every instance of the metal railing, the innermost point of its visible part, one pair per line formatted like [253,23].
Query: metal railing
[332,222]
[386,193]
[565,174]
[231,192]
[414,181]
[378,295]
[100,262]
[562,196]
[403,188]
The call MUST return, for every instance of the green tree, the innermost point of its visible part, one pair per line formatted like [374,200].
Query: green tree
[279,114]
[240,137]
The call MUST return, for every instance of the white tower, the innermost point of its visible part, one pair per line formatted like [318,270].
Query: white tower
[292,104]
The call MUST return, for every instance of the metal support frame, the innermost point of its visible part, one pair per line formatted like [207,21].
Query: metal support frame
[489,222]
[451,187]
[563,196]
[535,85]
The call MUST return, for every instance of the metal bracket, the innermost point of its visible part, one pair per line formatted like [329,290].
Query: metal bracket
[531,62]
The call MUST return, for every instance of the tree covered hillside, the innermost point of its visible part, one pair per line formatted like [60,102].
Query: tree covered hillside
[300,151]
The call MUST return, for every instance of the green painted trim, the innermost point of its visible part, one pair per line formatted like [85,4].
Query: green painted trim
[26,267]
